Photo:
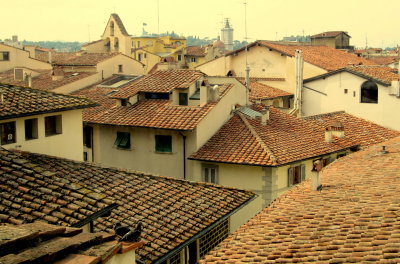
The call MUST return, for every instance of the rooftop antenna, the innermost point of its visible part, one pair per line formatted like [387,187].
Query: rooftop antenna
[247,64]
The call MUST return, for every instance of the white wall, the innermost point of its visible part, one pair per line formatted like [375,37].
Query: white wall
[336,99]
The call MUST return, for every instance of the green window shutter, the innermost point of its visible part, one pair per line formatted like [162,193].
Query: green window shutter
[303,172]
[163,143]
[123,140]
[290,177]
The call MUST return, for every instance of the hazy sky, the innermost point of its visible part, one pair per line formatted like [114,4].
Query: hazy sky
[84,20]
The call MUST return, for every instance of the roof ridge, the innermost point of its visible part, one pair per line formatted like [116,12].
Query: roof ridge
[258,138]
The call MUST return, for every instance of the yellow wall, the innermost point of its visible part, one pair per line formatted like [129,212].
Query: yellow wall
[68,144]
[110,66]
[96,47]
[20,58]
[126,258]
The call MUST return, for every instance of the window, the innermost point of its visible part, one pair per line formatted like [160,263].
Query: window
[53,125]
[138,44]
[87,136]
[345,91]
[123,140]
[7,132]
[4,56]
[193,59]
[156,96]
[120,69]
[296,175]
[179,57]
[210,173]
[31,128]
[139,56]
[183,99]
[145,55]
[369,92]
[163,143]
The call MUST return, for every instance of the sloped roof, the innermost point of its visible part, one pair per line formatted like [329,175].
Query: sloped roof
[76,58]
[383,75]
[353,219]
[22,101]
[44,80]
[39,242]
[260,91]
[30,192]
[161,82]
[120,24]
[285,139]
[384,60]
[198,51]
[172,211]
[329,34]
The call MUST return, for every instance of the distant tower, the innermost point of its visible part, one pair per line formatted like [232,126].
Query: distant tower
[227,35]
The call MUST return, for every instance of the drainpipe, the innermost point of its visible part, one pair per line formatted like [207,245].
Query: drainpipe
[184,155]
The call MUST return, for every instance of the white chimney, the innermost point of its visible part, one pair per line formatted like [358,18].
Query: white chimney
[29,78]
[213,94]
[328,135]
[315,178]
[50,58]
[395,88]
[265,115]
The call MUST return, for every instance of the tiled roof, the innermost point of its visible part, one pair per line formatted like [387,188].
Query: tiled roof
[93,42]
[76,58]
[285,139]
[172,211]
[383,60]
[256,79]
[322,56]
[381,73]
[354,218]
[39,242]
[199,51]
[120,24]
[161,82]
[30,192]
[260,91]
[20,101]
[329,34]
[44,80]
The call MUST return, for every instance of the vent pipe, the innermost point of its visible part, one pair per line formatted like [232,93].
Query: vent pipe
[247,85]
[315,177]
[299,82]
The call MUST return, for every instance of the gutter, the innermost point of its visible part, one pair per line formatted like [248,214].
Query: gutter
[184,155]
[202,232]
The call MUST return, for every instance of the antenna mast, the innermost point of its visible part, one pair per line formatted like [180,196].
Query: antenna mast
[247,64]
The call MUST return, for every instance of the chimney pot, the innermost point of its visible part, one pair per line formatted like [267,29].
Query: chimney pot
[265,115]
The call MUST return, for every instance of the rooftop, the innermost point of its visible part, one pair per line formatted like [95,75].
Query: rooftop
[161,82]
[39,242]
[324,57]
[171,211]
[384,60]
[381,74]
[285,139]
[44,81]
[22,101]
[76,58]
[353,219]
[329,34]
[198,51]
[260,91]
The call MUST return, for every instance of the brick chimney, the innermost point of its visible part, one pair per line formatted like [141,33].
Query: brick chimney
[335,129]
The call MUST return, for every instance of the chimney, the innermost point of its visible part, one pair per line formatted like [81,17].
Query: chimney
[57,74]
[1,96]
[265,115]
[50,58]
[315,178]
[335,129]
[212,93]
[29,79]
[395,88]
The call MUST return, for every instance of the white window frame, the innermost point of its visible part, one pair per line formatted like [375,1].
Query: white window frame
[206,170]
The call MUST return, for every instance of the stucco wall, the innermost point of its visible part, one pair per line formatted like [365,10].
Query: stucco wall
[337,100]
[20,58]
[129,65]
[68,144]
[96,47]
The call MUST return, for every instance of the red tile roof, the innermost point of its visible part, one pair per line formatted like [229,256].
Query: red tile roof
[384,60]
[198,51]
[355,218]
[44,81]
[381,73]
[322,56]
[20,101]
[172,211]
[261,91]
[76,58]
[286,139]
[329,34]
[161,82]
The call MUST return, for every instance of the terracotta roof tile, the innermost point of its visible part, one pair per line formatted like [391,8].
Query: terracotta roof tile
[44,81]
[242,140]
[381,73]
[324,57]
[329,34]
[198,51]
[76,58]
[21,101]
[171,210]
[154,113]
[384,60]
[161,82]
[353,219]
[261,91]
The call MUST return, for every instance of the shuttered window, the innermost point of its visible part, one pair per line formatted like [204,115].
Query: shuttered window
[7,133]
[296,174]
[163,143]
[123,140]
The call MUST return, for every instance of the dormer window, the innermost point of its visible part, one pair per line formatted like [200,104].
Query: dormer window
[369,92]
